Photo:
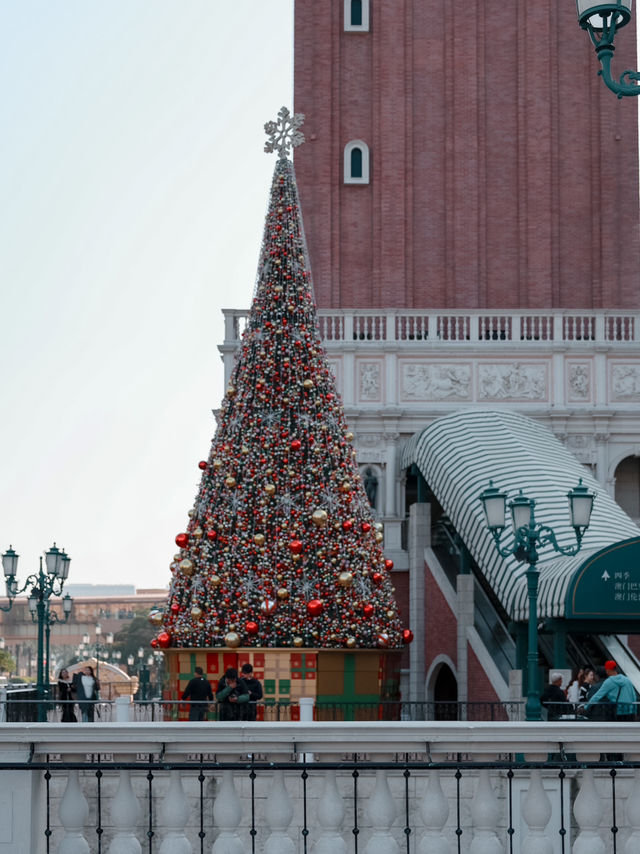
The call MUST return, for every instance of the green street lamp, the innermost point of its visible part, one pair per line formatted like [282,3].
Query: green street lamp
[528,538]
[602,21]
[98,647]
[47,582]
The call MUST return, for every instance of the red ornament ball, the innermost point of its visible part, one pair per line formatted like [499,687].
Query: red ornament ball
[295,445]
[314,607]
[211,535]
[202,465]
[175,607]
[347,525]
[154,643]
[251,628]
[368,610]
[377,578]
[407,636]
[382,639]
[296,547]
[164,639]
[388,565]
[182,540]
[366,527]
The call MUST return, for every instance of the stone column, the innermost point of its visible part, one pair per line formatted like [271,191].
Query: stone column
[465,608]
[419,540]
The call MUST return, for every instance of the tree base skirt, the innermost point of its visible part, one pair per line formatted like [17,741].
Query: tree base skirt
[359,684]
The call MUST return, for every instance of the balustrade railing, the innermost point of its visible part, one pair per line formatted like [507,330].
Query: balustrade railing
[160,709]
[326,788]
[470,326]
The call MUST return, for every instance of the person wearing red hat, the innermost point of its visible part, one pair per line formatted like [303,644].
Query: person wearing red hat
[618,689]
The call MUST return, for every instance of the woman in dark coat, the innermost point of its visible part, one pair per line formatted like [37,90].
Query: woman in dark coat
[65,697]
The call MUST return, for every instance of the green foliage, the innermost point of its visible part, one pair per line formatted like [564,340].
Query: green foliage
[137,634]
[7,662]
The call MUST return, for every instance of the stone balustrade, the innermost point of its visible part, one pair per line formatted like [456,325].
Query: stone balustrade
[326,788]
[449,325]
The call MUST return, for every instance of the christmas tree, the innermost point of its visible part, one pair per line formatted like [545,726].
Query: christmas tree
[281,549]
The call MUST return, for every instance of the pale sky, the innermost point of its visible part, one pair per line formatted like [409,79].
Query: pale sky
[133,188]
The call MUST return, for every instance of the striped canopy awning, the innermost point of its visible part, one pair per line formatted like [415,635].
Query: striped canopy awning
[458,455]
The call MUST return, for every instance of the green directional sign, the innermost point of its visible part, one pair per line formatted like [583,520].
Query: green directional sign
[607,584]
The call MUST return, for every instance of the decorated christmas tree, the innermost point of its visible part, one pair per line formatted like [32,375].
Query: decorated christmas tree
[281,548]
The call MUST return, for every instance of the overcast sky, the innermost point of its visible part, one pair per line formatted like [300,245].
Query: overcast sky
[133,188]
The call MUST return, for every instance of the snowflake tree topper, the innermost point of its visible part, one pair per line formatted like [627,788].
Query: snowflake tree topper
[284,134]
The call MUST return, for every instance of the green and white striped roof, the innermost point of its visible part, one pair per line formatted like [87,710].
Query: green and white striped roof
[458,455]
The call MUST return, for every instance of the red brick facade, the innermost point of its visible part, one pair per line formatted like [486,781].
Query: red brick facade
[503,172]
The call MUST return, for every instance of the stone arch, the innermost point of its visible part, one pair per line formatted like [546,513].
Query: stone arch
[627,485]
[442,689]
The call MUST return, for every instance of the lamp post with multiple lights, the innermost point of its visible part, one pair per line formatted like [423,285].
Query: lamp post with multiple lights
[528,538]
[42,585]
[98,646]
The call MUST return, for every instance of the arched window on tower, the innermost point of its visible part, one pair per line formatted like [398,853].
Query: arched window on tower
[356,16]
[356,162]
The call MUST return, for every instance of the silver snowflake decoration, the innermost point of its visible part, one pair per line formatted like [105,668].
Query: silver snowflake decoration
[284,134]
[304,587]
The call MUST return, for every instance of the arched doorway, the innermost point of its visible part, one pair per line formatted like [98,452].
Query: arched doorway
[445,695]
[627,476]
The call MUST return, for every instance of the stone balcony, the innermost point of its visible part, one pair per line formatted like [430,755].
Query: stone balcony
[327,788]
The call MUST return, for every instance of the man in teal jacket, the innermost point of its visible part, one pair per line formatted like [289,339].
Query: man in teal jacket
[617,689]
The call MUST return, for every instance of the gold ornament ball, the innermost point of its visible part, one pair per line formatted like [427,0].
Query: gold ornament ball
[298,641]
[282,593]
[191,514]
[186,567]
[379,537]
[319,518]
[378,526]
[345,579]
[231,391]
[308,383]
[259,539]
[230,482]
[350,642]
[348,436]
[270,489]
[391,613]
[216,581]
[346,486]
[232,639]
[196,612]
[245,450]
[155,618]
[198,533]
[217,464]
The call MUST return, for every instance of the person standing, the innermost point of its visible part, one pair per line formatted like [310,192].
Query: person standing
[618,689]
[255,691]
[232,695]
[199,691]
[86,688]
[65,697]
[553,697]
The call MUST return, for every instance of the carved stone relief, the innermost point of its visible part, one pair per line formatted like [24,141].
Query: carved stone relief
[370,380]
[625,382]
[512,382]
[371,447]
[583,447]
[436,382]
[579,381]
[335,366]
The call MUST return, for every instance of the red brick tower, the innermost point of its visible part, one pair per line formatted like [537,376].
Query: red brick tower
[501,173]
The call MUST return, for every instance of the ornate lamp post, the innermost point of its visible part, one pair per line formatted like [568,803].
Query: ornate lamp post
[528,537]
[98,647]
[41,586]
[602,21]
